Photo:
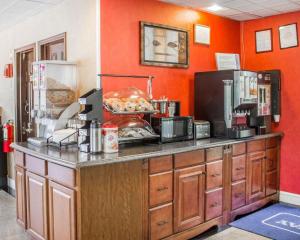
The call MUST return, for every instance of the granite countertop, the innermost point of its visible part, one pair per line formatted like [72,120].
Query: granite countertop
[73,158]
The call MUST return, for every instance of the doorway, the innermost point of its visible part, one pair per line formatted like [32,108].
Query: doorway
[24,56]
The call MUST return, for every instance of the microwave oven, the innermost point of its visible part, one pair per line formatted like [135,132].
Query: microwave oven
[173,129]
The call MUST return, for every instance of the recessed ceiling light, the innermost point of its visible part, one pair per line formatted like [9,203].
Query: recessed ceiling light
[214,8]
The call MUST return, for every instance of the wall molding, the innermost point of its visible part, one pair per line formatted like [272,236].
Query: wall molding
[290,198]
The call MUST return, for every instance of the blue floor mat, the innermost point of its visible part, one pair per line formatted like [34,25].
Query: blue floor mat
[279,221]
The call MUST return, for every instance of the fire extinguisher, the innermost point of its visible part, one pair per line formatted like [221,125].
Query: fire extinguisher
[8,136]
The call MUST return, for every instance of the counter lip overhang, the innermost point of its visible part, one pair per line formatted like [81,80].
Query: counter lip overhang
[75,159]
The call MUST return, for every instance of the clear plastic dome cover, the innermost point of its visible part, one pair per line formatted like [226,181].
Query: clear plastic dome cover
[132,127]
[129,99]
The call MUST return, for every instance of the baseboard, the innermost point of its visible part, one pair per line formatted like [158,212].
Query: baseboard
[290,198]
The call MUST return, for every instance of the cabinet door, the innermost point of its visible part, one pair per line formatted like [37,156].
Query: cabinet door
[189,197]
[20,196]
[62,223]
[255,176]
[36,195]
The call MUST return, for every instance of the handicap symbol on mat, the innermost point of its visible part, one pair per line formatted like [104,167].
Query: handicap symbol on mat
[284,221]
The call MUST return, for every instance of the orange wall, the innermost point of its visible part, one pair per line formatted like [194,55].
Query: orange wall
[288,61]
[120,45]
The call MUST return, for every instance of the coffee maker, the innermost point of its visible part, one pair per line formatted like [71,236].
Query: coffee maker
[225,99]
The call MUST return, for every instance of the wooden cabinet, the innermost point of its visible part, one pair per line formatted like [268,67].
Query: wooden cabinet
[255,176]
[189,197]
[214,204]
[36,196]
[62,223]
[161,222]
[20,196]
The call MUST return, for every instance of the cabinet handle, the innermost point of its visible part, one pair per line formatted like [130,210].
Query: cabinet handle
[162,189]
[161,223]
[216,175]
[216,204]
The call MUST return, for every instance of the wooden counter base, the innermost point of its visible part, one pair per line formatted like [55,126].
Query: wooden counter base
[171,197]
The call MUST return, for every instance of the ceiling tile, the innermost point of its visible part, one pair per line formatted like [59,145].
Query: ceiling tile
[244,17]
[265,12]
[289,7]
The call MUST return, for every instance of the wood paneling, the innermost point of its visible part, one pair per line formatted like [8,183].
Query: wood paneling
[161,222]
[188,197]
[271,183]
[214,173]
[189,158]
[238,149]
[271,159]
[111,201]
[238,168]
[161,164]
[21,196]
[36,196]
[213,154]
[62,222]
[161,188]
[257,145]
[238,194]
[63,175]
[271,142]
[19,158]
[214,204]
[35,165]
[255,176]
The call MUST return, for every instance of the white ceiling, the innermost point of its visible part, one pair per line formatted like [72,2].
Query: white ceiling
[14,11]
[242,10]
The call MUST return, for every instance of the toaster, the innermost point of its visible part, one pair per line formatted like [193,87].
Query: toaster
[201,129]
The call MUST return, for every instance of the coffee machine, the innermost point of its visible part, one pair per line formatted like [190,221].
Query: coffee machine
[225,99]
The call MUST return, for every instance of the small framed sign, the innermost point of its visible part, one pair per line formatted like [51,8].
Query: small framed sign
[202,34]
[264,41]
[288,36]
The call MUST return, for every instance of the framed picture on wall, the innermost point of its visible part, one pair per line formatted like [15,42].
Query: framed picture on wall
[202,34]
[264,41]
[288,36]
[164,46]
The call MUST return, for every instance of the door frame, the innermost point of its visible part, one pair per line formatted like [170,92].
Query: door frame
[17,80]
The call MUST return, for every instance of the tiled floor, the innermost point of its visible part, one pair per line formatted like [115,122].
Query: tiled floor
[10,230]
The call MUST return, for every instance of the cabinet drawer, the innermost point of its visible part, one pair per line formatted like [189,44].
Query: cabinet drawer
[213,154]
[238,149]
[189,158]
[271,162]
[35,165]
[214,200]
[161,164]
[255,146]
[238,168]
[271,142]
[271,183]
[161,222]
[65,176]
[19,158]
[238,195]
[161,188]
[214,175]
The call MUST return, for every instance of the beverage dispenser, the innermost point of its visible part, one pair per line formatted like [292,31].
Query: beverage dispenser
[225,99]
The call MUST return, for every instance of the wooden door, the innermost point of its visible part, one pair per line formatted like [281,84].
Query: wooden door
[255,176]
[20,196]
[62,222]
[36,195]
[189,197]
[24,126]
